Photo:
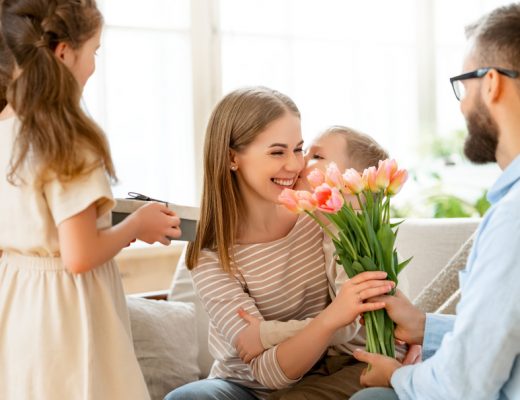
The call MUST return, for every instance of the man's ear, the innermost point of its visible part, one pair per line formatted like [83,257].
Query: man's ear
[492,87]
[65,54]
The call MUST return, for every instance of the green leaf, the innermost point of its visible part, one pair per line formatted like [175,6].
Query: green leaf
[386,238]
[482,204]
[401,265]
[358,267]
[368,264]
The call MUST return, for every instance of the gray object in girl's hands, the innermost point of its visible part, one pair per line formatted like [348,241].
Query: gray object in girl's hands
[188,215]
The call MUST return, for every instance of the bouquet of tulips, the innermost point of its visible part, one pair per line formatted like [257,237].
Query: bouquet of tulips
[365,238]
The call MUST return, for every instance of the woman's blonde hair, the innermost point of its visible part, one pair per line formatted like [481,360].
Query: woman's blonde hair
[235,122]
[54,131]
[362,150]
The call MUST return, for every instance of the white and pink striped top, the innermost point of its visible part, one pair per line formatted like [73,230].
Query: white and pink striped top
[280,280]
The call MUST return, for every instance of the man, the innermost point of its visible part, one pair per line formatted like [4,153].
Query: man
[474,355]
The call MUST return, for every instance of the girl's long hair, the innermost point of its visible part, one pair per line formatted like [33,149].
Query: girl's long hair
[6,72]
[235,122]
[55,132]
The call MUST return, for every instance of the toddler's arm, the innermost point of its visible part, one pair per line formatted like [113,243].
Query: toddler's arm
[261,335]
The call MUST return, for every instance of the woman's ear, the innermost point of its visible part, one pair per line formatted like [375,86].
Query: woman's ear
[233,159]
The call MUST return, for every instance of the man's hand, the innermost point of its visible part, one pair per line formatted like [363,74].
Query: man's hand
[248,342]
[380,368]
[409,320]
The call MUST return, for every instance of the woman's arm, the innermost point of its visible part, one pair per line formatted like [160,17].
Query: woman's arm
[84,247]
[299,353]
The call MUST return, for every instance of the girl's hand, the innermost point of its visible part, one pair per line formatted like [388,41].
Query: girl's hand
[248,341]
[155,223]
[350,301]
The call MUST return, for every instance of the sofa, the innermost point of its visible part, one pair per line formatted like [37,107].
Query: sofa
[170,336]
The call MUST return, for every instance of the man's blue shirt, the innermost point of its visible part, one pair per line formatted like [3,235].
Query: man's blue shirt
[475,355]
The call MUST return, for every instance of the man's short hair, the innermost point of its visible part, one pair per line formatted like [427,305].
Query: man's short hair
[497,37]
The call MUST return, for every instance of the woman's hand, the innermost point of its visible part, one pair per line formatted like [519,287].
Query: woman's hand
[248,343]
[350,301]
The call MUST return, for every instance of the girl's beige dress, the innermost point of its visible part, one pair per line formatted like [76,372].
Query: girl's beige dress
[62,336]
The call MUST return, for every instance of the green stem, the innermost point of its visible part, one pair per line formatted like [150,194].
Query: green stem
[323,226]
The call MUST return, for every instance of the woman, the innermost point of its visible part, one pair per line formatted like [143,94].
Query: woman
[253,254]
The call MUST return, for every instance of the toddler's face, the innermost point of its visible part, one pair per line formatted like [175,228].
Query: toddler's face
[323,151]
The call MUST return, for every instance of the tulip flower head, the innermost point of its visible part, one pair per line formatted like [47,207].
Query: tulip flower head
[328,199]
[333,177]
[315,178]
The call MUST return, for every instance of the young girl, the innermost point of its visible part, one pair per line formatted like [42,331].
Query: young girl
[337,377]
[251,253]
[64,327]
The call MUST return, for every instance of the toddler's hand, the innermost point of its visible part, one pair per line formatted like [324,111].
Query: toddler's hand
[413,355]
[248,342]
[155,223]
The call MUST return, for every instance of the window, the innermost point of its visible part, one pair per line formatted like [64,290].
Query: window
[377,66]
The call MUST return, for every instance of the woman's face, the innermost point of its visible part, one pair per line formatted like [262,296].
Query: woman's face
[323,151]
[272,162]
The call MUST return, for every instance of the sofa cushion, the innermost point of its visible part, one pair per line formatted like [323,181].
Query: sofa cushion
[432,243]
[163,335]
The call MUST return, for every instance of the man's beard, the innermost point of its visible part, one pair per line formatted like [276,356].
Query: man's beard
[481,143]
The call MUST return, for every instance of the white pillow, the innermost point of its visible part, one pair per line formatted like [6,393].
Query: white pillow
[163,334]
[182,290]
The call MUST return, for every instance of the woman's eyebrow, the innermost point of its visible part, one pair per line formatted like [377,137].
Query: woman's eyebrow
[284,145]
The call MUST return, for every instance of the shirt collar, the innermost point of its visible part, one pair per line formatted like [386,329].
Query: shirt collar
[505,181]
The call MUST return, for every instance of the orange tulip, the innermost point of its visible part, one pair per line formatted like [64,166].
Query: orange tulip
[328,199]
[397,181]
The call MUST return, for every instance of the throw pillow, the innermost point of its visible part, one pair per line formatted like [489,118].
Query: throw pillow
[163,334]
[442,294]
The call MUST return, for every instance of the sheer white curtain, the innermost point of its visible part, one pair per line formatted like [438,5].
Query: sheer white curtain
[378,66]
[141,94]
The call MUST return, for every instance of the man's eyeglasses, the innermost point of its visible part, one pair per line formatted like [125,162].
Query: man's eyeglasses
[458,87]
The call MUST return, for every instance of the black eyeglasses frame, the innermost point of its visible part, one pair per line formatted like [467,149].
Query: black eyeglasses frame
[479,73]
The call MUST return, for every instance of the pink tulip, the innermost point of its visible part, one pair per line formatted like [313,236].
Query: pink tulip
[369,179]
[333,176]
[315,178]
[353,181]
[297,200]
[306,201]
[288,199]
[397,181]
[328,199]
